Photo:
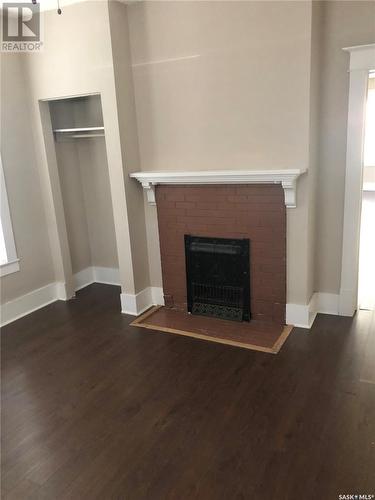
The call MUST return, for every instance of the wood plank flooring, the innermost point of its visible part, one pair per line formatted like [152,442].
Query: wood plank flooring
[95,409]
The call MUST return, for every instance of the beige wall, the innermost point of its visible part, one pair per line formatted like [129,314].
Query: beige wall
[83,173]
[154,257]
[98,202]
[218,85]
[317,23]
[77,60]
[74,205]
[345,24]
[229,85]
[23,186]
[226,85]
[118,19]
[221,85]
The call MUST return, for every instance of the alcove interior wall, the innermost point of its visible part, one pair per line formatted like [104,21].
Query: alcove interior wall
[84,179]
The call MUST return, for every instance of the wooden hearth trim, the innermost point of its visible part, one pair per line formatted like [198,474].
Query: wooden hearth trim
[139,322]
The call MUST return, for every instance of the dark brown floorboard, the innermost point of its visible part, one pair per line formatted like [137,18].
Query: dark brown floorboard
[95,409]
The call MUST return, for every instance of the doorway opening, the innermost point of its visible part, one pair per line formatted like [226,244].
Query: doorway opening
[366,278]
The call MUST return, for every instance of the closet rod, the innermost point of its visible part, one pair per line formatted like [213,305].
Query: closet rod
[85,136]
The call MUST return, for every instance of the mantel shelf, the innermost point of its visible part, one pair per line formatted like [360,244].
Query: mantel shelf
[287,178]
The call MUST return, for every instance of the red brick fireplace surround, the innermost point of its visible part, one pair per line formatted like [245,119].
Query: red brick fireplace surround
[254,211]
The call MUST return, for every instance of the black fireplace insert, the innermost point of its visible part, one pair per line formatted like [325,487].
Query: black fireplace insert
[218,277]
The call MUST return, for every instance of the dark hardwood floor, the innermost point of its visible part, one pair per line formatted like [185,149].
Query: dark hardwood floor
[95,409]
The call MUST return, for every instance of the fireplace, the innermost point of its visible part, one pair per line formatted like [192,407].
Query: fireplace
[218,277]
[255,213]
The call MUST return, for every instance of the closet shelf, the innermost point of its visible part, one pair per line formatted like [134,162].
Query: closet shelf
[78,130]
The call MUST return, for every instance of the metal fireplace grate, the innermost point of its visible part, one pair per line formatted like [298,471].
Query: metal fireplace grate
[218,282]
[216,294]
[221,301]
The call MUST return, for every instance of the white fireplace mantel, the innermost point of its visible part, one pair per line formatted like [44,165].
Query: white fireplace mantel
[287,178]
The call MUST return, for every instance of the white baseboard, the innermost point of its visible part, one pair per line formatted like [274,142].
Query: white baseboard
[61,291]
[26,304]
[96,274]
[138,303]
[347,302]
[303,315]
[83,278]
[300,315]
[106,275]
[326,303]
[157,295]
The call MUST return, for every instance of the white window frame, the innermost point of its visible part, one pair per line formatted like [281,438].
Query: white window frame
[12,265]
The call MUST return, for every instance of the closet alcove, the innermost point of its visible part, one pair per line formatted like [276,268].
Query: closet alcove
[79,139]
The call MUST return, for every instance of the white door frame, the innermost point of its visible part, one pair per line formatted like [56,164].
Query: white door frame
[362,60]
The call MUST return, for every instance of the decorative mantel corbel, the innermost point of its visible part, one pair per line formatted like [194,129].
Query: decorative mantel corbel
[290,193]
[150,192]
[287,178]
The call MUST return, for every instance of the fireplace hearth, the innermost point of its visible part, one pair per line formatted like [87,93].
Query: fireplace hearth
[218,277]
